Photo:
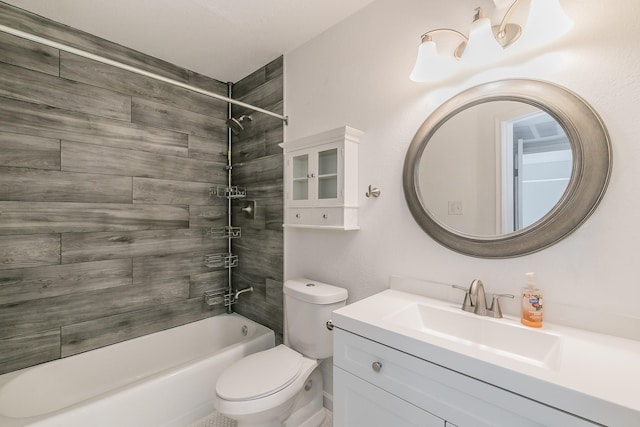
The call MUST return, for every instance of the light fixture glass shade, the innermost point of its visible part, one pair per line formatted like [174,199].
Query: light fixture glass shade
[546,22]
[430,65]
[482,46]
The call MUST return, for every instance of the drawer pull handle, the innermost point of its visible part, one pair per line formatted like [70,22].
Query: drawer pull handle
[325,216]
[376,366]
[298,216]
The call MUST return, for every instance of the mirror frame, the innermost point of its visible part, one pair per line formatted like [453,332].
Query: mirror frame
[591,169]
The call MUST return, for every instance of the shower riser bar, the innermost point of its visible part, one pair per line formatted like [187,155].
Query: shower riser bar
[136,70]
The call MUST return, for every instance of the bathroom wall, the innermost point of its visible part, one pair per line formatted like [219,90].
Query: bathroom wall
[258,166]
[104,181]
[356,74]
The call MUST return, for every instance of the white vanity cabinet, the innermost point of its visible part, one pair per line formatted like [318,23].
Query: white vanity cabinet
[379,386]
[321,180]
[363,404]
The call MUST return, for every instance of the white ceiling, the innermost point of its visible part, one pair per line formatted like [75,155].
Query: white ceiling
[224,39]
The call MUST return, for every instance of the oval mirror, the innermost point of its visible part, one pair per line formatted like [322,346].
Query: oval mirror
[507,168]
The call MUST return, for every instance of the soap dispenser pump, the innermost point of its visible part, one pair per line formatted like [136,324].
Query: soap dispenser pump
[532,308]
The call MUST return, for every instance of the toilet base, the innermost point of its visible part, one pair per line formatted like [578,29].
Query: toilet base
[308,411]
[315,420]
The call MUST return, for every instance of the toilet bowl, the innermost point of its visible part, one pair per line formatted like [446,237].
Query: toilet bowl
[282,386]
[262,389]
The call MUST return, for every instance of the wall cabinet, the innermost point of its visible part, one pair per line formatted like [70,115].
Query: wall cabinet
[378,386]
[321,180]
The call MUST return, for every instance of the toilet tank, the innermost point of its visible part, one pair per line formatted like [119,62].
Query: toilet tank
[307,308]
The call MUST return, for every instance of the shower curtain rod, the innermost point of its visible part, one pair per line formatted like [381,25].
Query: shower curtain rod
[126,67]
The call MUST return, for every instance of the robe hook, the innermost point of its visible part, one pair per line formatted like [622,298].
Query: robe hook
[373,191]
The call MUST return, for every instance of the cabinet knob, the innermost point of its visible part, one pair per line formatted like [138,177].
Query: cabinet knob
[325,216]
[376,366]
[311,175]
[298,216]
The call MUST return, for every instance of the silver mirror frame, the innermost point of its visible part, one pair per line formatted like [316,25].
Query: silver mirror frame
[592,162]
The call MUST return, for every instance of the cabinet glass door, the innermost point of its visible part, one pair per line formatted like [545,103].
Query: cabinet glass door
[328,174]
[300,177]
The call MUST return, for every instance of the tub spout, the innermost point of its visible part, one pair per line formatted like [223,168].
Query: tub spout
[241,291]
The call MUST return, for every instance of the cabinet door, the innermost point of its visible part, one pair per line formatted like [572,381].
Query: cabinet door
[359,403]
[328,179]
[301,176]
[314,177]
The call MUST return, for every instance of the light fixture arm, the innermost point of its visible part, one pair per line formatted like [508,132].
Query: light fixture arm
[426,37]
[507,15]
[507,33]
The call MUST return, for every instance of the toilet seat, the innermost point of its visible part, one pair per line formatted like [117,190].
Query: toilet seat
[260,374]
[268,405]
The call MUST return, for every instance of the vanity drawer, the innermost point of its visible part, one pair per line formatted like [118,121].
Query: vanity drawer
[331,217]
[315,217]
[299,216]
[454,397]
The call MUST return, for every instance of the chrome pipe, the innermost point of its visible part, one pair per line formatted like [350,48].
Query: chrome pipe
[229,167]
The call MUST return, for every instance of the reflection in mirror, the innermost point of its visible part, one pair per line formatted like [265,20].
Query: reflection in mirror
[494,168]
[537,171]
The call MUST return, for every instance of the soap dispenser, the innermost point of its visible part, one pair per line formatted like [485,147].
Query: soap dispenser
[531,303]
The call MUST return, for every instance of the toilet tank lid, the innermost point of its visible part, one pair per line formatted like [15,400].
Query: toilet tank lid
[314,292]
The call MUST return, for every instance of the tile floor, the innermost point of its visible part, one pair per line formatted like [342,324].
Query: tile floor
[218,420]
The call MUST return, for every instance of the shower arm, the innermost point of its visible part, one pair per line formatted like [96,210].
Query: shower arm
[107,61]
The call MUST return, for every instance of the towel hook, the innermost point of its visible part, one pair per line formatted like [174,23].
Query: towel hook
[373,191]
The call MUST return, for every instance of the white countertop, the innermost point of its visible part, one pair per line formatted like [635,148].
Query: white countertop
[593,375]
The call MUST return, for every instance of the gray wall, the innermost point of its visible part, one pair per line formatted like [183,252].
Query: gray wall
[258,166]
[104,179]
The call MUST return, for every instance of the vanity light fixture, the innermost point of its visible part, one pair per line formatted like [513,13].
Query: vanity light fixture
[432,65]
[486,42]
[482,47]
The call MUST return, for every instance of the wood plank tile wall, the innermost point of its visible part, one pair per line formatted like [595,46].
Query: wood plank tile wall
[258,166]
[104,179]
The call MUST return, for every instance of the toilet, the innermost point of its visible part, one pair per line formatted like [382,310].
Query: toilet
[282,386]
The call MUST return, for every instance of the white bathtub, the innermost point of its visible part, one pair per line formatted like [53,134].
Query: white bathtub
[164,379]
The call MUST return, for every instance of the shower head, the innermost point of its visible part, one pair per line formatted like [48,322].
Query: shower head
[236,124]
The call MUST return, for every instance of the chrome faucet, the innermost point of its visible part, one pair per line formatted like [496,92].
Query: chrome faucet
[475,300]
[478,297]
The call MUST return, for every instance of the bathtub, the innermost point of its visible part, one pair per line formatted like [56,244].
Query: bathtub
[165,379]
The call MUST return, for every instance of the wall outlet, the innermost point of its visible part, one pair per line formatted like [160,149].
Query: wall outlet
[455,207]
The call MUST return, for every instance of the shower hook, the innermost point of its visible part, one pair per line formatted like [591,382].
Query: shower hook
[373,192]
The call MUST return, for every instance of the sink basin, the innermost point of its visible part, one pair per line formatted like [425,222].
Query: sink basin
[502,337]
[575,370]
